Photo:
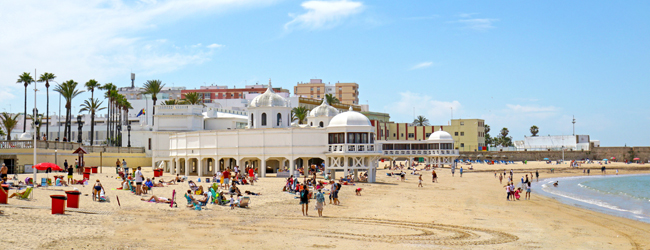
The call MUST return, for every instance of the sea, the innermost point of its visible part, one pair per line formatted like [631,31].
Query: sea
[620,195]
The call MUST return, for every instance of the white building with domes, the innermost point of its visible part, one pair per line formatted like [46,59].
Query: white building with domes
[343,142]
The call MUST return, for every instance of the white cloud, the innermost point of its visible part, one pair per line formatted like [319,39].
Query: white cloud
[214,46]
[422,65]
[438,112]
[323,14]
[530,109]
[480,24]
[99,38]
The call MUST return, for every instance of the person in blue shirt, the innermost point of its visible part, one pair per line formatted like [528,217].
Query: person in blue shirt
[147,185]
[320,202]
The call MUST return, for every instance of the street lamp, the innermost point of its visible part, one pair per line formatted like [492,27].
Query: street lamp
[35,123]
[128,128]
[119,135]
[79,126]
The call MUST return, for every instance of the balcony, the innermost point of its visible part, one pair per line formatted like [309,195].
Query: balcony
[67,146]
[351,148]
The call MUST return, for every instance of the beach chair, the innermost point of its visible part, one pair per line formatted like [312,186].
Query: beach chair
[25,195]
[215,196]
[43,182]
[189,199]
[243,203]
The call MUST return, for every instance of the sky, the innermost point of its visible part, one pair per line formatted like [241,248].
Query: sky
[513,63]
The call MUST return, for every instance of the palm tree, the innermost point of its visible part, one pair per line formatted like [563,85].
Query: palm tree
[421,121]
[9,122]
[26,79]
[126,105]
[299,113]
[153,87]
[534,130]
[331,99]
[92,106]
[108,87]
[46,77]
[193,99]
[69,91]
[172,102]
[36,124]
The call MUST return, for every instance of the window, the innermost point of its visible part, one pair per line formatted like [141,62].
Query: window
[312,89]
[336,138]
[263,119]
[427,135]
[462,123]
[279,120]
[311,124]
[312,96]
[411,135]
[252,121]
[318,89]
[320,124]
[456,133]
[462,133]
[394,135]
[462,145]
[149,143]
[317,96]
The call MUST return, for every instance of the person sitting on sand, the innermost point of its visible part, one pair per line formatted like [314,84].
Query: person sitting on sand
[61,182]
[517,196]
[157,199]
[234,189]
[251,193]
[178,178]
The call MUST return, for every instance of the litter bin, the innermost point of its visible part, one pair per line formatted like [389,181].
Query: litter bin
[87,170]
[87,176]
[58,204]
[94,169]
[73,198]
[3,195]
[158,172]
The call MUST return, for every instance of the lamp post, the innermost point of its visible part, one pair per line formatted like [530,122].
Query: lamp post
[128,128]
[119,135]
[67,124]
[35,123]
[79,126]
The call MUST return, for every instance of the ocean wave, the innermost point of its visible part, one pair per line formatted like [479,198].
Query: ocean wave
[595,202]
[628,195]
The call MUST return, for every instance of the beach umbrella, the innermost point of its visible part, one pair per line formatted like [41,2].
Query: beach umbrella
[546,159]
[46,165]
[635,159]
[613,158]
[605,160]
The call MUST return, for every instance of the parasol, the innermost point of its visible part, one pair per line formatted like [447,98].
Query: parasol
[613,158]
[605,160]
[46,165]
[635,159]
[546,159]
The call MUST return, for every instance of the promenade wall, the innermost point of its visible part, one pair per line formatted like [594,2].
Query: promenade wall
[599,153]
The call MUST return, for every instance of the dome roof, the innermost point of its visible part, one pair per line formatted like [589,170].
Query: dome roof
[323,110]
[269,99]
[440,136]
[349,118]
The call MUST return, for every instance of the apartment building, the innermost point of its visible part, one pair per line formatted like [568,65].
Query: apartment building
[347,93]
[468,134]
[211,93]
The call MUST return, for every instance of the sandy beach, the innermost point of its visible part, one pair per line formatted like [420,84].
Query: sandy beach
[459,213]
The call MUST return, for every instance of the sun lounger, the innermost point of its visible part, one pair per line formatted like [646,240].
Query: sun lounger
[25,195]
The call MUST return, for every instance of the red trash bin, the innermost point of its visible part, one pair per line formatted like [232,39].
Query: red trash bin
[73,199]
[157,172]
[87,170]
[94,169]
[3,195]
[58,204]
[87,176]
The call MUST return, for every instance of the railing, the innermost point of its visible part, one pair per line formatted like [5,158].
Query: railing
[450,152]
[68,146]
[351,148]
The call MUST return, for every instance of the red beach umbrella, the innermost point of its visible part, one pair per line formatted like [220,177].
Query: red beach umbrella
[613,158]
[46,165]
[635,159]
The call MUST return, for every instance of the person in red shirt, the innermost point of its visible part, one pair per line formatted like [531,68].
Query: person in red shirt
[226,178]
[251,175]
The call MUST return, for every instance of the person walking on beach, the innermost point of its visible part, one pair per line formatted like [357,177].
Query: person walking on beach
[320,202]
[70,172]
[123,163]
[226,178]
[461,171]
[138,181]
[453,169]
[536,175]
[527,190]
[588,171]
[76,165]
[500,178]
[434,176]
[420,181]
[4,170]
[507,186]
[117,166]
[304,200]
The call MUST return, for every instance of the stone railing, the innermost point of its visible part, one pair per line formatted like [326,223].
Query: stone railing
[351,148]
[436,152]
[68,146]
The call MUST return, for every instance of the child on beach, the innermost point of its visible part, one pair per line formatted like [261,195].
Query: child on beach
[232,202]
[420,181]
[320,202]
[358,191]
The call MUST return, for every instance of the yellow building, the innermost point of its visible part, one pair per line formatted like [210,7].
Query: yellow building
[347,93]
[469,134]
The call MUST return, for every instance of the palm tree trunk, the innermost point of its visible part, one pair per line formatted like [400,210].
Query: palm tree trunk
[25,114]
[47,126]
[92,128]
[154,110]
[108,120]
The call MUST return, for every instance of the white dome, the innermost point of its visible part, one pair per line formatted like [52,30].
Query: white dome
[440,136]
[349,118]
[269,99]
[323,110]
